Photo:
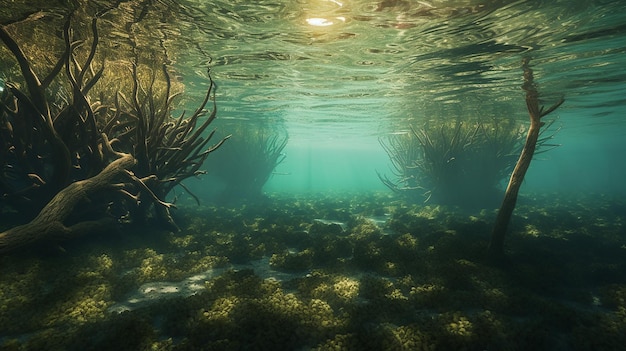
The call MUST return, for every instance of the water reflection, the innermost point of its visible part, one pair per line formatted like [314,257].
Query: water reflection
[352,70]
[375,65]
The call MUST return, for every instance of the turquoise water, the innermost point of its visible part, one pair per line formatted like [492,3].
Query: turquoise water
[330,259]
[373,68]
[338,75]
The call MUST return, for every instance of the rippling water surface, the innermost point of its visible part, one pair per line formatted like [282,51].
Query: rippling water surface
[338,74]
[343,73]
[337,69]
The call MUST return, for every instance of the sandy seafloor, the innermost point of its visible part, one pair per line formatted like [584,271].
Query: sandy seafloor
[340,272]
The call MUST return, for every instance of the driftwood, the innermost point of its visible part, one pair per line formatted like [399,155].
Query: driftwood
[49,224]
[496,247]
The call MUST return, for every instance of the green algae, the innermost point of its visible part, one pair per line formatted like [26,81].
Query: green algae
[278,277]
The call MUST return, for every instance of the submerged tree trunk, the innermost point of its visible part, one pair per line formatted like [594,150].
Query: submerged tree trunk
[49,224]
[496,247]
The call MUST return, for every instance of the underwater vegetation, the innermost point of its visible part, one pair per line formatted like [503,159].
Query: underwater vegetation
[247,161]
[86,148]
[458,162]
[364,272]
[462,164]
[76,160]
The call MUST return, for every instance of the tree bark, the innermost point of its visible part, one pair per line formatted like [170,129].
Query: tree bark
[48,225]
[496,247]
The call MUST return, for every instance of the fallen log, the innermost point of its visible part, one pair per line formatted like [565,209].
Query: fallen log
[49,223]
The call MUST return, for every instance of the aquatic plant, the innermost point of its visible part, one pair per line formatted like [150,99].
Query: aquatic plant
[248,161]
[441,295]
[454,162]
[168,150]
[83,165]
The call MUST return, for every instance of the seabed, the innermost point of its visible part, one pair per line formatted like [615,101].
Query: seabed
[340,272]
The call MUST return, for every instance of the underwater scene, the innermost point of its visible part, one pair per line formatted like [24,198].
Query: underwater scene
[312,175]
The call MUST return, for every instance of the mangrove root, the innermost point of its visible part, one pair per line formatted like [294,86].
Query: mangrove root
[496,247]
[49,224]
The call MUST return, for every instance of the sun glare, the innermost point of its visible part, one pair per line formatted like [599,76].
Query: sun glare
[324,22]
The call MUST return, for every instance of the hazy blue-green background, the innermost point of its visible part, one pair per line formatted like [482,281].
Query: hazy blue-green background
[376,67]
[337,75]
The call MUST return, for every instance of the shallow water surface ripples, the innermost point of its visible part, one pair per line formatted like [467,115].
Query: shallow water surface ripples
[336,69]
[336,75]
